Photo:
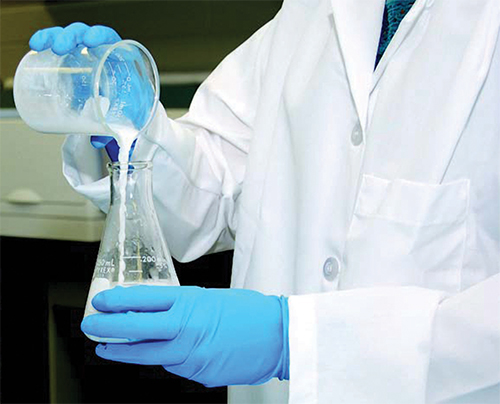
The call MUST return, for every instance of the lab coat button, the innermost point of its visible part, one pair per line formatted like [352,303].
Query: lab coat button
[357,136]
[331,269]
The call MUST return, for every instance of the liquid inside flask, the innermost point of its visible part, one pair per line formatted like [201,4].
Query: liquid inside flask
[133,250]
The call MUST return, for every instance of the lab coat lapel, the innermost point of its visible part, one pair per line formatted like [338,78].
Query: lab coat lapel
[358,24]
[469,80]
[418,143]
[403,30]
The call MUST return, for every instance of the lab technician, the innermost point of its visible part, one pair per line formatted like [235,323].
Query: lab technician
[368,195]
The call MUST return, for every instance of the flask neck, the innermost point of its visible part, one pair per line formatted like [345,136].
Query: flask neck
[131,182]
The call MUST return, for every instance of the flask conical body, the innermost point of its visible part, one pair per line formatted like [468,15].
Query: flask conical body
[133,250]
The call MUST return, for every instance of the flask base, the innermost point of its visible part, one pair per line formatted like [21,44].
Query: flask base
[103,340]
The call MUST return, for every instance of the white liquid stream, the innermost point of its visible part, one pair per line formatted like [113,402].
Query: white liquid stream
[124,136]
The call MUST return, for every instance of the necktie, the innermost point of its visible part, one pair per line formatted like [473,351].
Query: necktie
[394,12]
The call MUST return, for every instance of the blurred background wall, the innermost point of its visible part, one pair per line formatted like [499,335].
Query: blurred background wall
[183,36]
[187,35]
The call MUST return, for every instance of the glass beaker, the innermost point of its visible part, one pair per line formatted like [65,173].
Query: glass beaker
[133,250]
[92,91]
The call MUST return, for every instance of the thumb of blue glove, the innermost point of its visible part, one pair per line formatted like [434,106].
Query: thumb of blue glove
[111,146]
[213,336]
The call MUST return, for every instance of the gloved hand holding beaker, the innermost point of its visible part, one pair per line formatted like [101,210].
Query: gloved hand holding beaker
[86,82]
[64,40]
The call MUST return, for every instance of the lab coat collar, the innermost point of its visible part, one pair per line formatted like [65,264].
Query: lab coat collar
[358,24]
[404,29]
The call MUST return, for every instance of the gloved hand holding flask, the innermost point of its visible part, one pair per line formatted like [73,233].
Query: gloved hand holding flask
[216,337]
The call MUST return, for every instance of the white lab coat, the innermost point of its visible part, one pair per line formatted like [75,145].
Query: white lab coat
[372,198]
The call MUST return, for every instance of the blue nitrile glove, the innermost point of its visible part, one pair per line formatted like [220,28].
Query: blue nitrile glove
[217,337]
[111,146]
[63,41]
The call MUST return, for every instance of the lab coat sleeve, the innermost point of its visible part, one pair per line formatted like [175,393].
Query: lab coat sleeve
[199,159]
[396,345]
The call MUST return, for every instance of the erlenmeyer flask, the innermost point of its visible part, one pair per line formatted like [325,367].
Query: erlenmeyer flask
[133,250]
